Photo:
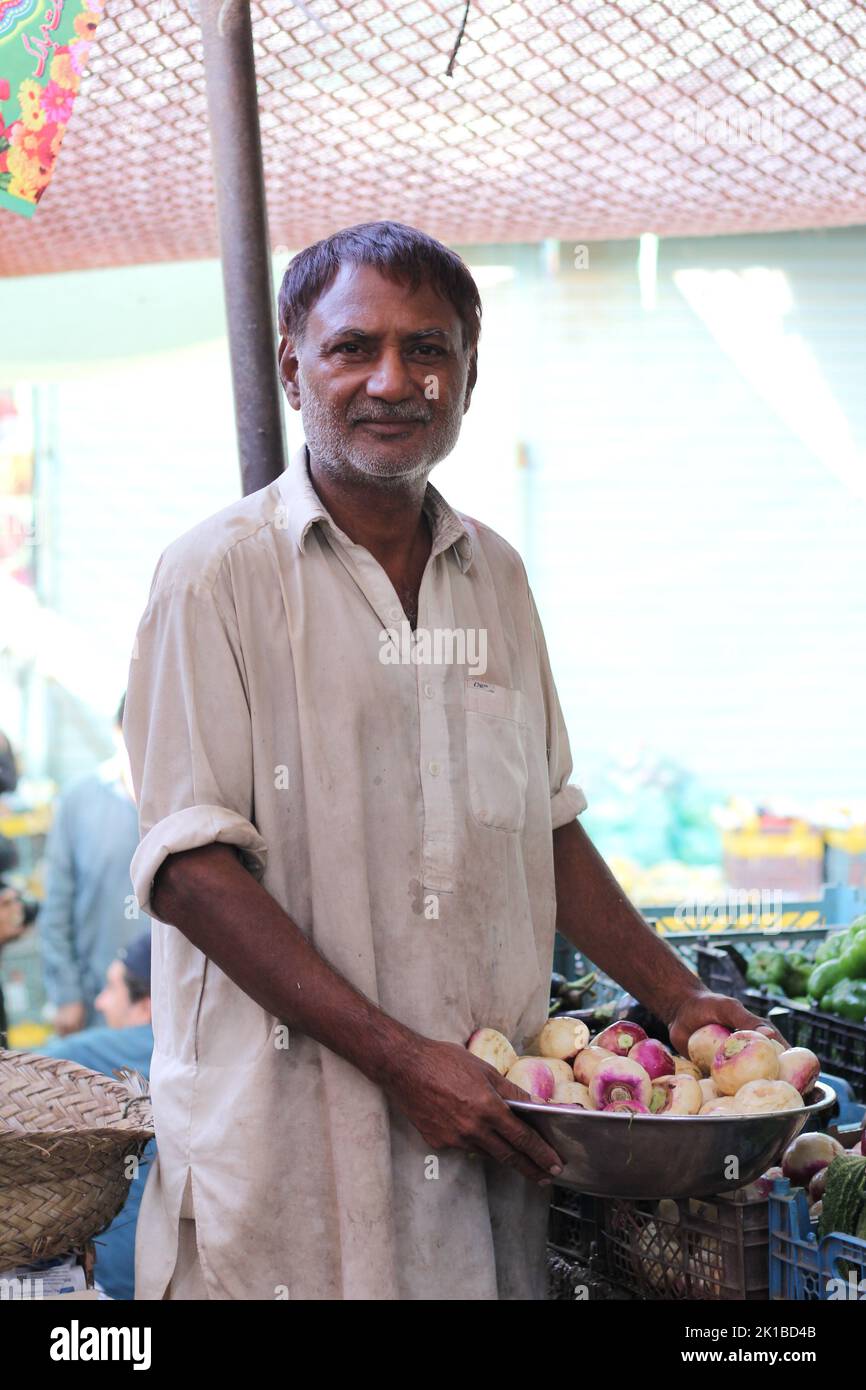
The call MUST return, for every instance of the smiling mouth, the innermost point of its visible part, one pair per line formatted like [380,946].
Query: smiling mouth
[388,428]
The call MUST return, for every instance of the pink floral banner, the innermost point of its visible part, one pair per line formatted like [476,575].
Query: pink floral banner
[44,46]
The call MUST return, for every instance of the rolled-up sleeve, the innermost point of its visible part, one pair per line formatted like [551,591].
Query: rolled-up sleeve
[187,728]
[566,800]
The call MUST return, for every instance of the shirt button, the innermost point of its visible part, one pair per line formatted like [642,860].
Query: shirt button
[434,769]
[428,690]
[395,613]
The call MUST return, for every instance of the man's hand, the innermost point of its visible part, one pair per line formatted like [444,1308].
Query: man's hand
[11,916]
[70,1018]
[702,1007]
[456,1101]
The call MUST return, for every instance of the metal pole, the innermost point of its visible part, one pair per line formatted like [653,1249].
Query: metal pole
[236,151]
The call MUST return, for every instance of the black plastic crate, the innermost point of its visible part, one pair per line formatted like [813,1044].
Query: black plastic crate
[840,1044]
[687,1248]
[723,970]
[668,1250]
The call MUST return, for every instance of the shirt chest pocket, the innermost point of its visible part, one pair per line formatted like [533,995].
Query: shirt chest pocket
[496,754]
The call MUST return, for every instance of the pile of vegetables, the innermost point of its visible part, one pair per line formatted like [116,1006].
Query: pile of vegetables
[781,972]
[838,981]
[834,980]
[834,1179]
[623,1070]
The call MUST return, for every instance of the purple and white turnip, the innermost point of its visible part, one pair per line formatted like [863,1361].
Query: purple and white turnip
[653,1057]
[800,1067]
[705,1043]
[563,1038]
[534,1076]
[620,1080]
[494,1048]
[808,1155]
[587,1062]
[620,1038]
[761,1097]
[743,1057]
[675,1095]
[572,1093]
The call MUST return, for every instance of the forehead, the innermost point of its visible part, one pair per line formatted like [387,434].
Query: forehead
[362,298]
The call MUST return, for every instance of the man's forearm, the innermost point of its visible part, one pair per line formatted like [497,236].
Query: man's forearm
[594,914]
[209,896]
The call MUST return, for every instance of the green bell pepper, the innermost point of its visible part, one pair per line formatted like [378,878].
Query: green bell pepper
[851,965]
[767,967]
[831,947]
[798,969]
[847,999]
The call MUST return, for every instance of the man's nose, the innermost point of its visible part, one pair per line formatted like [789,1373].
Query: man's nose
[390,379]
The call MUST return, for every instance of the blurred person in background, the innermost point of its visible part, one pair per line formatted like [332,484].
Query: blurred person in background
[89,913]
[16,911]
[124,1040]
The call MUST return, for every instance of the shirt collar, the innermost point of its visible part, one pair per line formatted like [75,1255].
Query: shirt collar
[303,508]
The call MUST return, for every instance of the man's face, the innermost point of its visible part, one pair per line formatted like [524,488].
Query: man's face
[381,377]
[114,1002]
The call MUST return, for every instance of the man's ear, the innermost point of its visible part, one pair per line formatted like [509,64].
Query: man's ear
[287,363]
[471,379]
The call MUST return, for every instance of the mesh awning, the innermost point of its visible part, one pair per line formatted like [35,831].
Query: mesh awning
[583,120]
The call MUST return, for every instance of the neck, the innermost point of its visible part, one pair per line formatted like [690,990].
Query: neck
[385,518]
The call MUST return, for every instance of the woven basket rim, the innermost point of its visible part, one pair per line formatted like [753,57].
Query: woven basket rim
[109,1125]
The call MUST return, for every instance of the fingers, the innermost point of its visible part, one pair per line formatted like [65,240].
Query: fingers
[527,1141]
[509,1157]
[760,1025]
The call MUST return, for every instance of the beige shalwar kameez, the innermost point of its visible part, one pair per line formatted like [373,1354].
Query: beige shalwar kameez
[266,710]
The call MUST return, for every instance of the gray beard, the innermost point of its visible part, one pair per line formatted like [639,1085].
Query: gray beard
[333,442]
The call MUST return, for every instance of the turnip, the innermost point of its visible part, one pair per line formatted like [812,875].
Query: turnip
[534,1076]
[722,1105]
[762,1186]
[619,1079]
[620,1038]
[709,1091]
[800,1067]
[561,1070]
[587,1062]
[681,1066]
[705,1043]
[572,1093]
[494,1048]
[816,1210]
[631,1107]
[653,1057]
[761,1097]
[807,1155]
[563,1038]
[675,1095]
[817,1185]
[743,1057]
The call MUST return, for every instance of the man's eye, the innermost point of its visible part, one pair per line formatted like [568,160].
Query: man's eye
[348,347]
[429,348]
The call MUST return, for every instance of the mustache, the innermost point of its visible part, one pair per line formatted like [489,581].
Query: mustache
[395,416]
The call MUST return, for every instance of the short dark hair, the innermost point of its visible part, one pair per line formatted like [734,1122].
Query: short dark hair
[138,988]
[398,252]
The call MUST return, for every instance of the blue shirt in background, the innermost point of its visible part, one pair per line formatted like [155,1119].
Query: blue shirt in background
[89,913]
[106,1049]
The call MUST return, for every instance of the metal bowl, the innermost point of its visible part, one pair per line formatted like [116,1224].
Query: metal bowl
[654,1156]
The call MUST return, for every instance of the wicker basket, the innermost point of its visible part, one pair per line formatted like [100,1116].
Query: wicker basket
[65,1135]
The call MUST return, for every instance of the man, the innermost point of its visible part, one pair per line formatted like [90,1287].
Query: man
[16,911]
[89,913]
[125,1040]
[361,857]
